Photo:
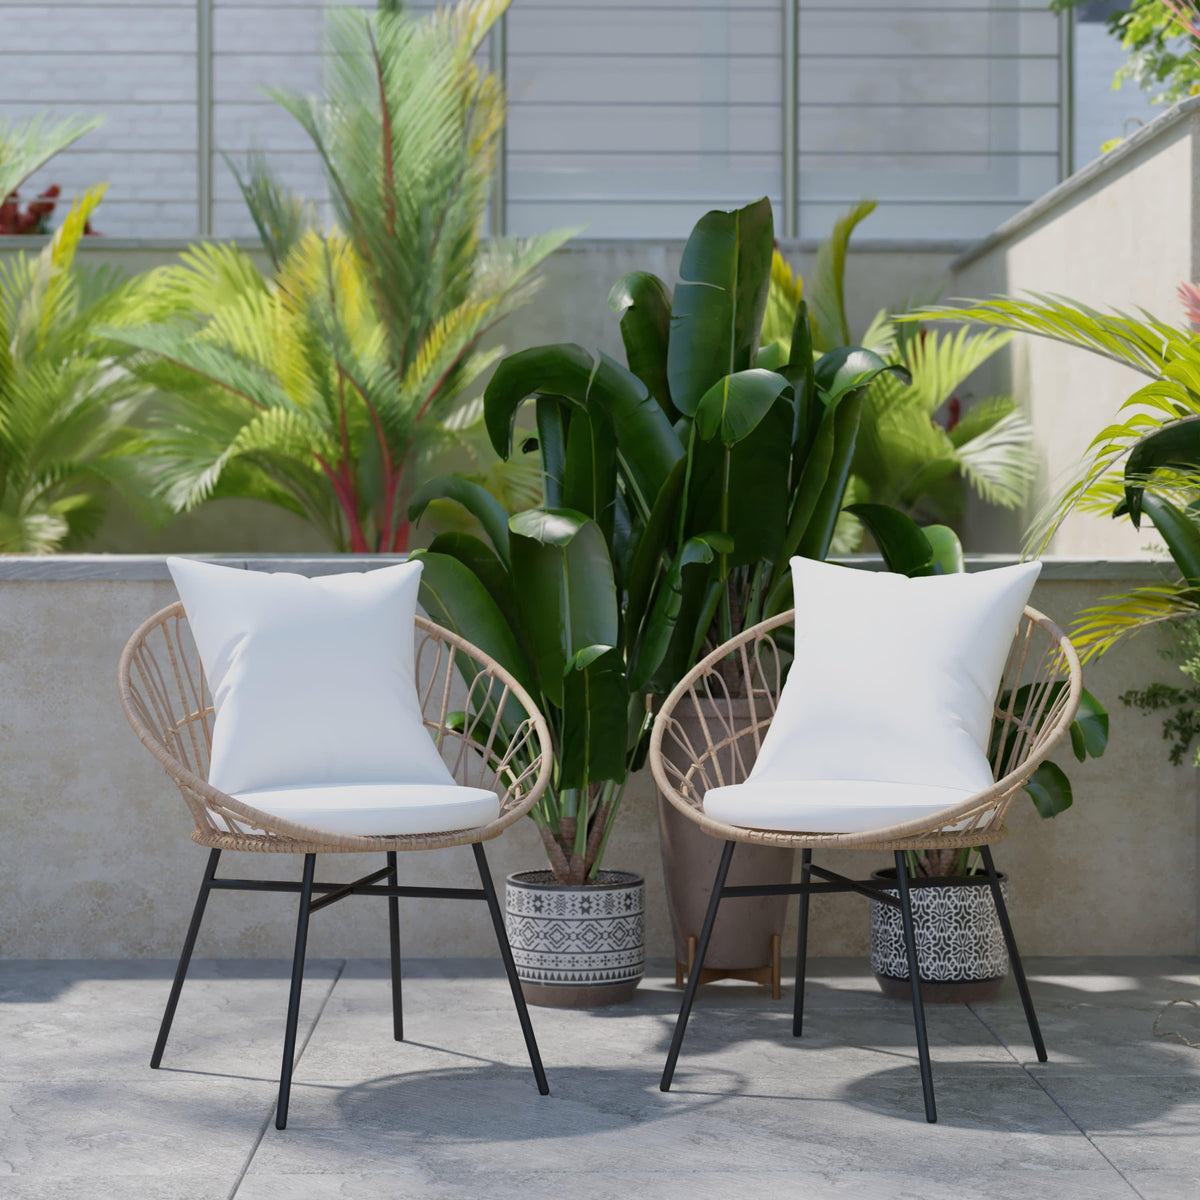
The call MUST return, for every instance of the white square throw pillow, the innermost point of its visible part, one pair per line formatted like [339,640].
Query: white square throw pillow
[312,679]
[889,701]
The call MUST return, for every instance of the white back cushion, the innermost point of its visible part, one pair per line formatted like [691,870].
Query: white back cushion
[894,679]
[312,679]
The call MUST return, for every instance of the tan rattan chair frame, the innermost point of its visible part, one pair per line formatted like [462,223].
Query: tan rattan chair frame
[165,698]
[1035,705]
[490,734]
[728,748]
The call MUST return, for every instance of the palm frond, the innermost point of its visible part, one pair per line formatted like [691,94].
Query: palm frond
[1115,618]
[998,462]
[26,146]
[941,362]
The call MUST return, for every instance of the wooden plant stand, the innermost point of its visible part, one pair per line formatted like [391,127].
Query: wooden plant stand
[768,976]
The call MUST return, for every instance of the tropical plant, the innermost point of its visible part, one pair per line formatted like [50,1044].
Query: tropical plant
[326,388]
[27,146]
[917,442]
[673,493]
[1160,37]
[914,551]
[65,396]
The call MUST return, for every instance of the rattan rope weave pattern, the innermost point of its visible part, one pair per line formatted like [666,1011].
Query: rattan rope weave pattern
[164,696]
[1041,656]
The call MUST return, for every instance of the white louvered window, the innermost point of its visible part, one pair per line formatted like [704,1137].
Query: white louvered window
[630,118]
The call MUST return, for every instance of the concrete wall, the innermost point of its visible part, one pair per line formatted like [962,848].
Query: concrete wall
[95,859]
[1121,234]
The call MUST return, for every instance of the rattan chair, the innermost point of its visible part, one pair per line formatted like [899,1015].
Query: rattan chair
[750,668]
[165,698]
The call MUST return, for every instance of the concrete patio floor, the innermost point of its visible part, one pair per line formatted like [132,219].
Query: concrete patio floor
[453,1113]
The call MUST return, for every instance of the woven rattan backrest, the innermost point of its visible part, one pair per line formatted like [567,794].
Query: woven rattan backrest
[489,733]
[711,727]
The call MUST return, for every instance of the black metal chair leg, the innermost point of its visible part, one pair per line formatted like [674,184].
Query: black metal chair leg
[914,975]
[293,1015]
[801,947]
[689,993]
[394,939]
[1014,957]
[510,968]
[185,958]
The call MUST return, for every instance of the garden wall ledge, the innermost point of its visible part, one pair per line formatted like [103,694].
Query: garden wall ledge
[19,568]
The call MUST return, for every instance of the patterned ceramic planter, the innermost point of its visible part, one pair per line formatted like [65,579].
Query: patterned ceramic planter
[960,946]
[577,947]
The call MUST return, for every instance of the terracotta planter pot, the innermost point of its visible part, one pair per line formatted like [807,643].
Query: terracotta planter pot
[960,946]
[577,946]
[742,935]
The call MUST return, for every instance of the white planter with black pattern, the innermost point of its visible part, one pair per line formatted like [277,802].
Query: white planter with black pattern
[960,945]
[577,946]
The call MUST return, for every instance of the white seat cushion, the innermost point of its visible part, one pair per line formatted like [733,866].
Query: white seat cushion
[379,809]
[887,709]
[313,680]
[827,805]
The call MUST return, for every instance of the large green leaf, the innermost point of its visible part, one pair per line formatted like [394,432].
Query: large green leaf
[827,292]
[660,627]
[595,717]
[717,310]
[477,500]
[646,442]
[901,541]
[819,531]
[590,475]
[947,549]
[651,549]
[455,598]
[1089,730]
[566,592]
[732,408]
[553,417]
[644,302]
[848,368]
[743,490]
[800,372]
[1050,790]
[1181,533]
[1176,444]
[482,562]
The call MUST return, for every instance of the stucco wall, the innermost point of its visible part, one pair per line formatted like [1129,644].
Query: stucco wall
[1119,234]
[95,859]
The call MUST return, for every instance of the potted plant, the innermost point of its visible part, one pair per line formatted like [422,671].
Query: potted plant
[708,469]
[960,945]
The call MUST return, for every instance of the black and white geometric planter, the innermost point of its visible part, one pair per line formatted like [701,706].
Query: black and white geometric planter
[577,947]
[960,945]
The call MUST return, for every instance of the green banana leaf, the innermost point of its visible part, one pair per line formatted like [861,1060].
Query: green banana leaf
[851,368]
[947,549]
[902,542]
[651,549]
[1177,529]
[454,597]
[1050,790]
[590,475]
[1176,444]
[594,718]
[649,446]
[743,490]
[566,592]
[819,532]
[732,408]
[1089,730]
[477,500]
[644,302]
[717,310]
[482,562]
[553,419]
[660,628]
[800,372]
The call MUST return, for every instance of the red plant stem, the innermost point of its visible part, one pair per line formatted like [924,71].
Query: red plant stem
[349,506]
